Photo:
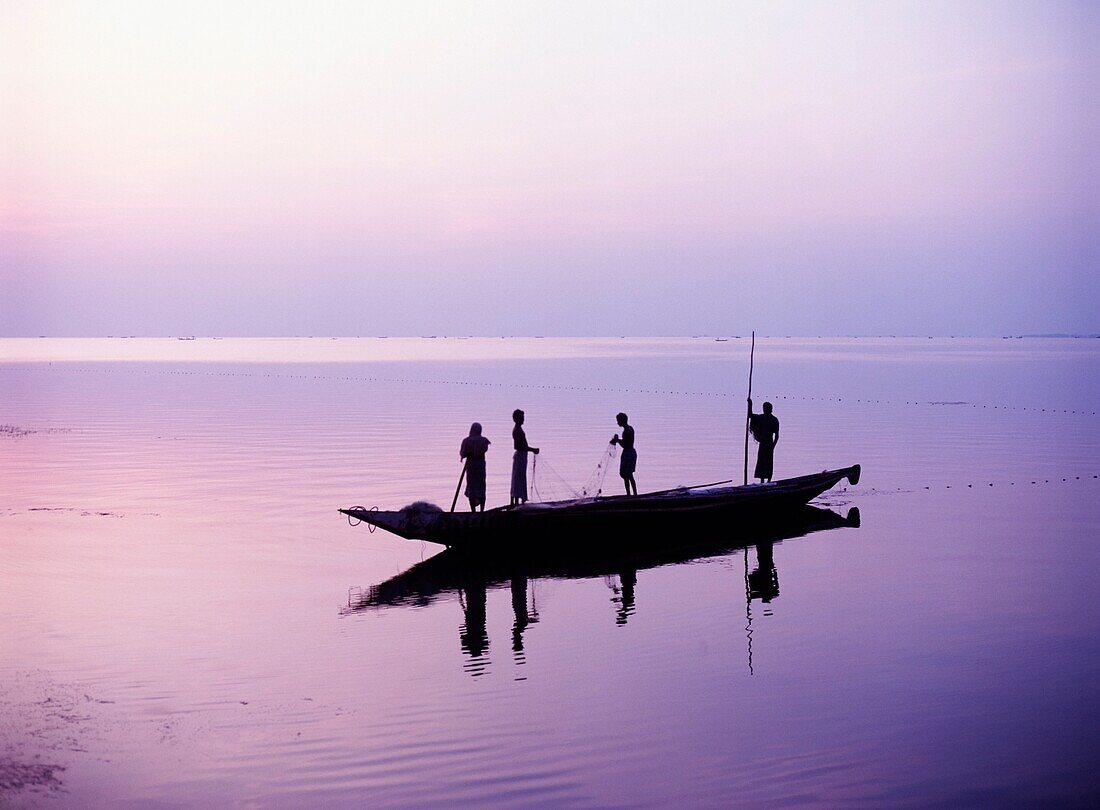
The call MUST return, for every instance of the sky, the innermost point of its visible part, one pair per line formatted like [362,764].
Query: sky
[634,168]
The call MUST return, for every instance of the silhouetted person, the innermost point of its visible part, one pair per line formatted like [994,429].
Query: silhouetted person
[765,429]
[519,460]
[628,462]
[473,449]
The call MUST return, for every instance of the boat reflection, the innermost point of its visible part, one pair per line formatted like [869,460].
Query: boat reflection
[471,576]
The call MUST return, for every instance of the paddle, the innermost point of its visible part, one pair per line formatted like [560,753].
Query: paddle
[748,418]
[455,501]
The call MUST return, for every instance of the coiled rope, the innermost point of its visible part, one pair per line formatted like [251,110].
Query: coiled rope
[370,526]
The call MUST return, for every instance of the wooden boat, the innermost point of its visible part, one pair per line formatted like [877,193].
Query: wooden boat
[605,519]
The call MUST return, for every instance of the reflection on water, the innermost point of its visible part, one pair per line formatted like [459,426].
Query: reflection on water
[473,636]
[524,616]
[471,575]
[763,581]
[624,595]
[175,625]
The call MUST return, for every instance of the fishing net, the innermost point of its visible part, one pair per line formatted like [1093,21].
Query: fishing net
[594,485]
[548,485]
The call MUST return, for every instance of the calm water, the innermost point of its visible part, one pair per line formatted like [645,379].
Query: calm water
[178,590]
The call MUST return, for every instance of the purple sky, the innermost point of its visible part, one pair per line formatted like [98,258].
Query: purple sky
[565,168]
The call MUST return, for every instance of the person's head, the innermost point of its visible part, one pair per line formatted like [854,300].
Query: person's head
[475,429]
[620,419]
[767,407]
[517,416]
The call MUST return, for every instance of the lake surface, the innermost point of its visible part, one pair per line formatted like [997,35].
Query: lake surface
[182,605]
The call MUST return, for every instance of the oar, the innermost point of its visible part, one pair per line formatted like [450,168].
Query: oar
[455,501]
[748,417]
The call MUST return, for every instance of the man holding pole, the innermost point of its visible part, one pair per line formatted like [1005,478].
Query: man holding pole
[765,429]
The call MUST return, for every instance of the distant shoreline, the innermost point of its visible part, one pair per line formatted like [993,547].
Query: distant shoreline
[1044,335]
[1053,335]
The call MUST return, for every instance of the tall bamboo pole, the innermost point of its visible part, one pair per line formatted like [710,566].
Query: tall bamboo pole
[748,416]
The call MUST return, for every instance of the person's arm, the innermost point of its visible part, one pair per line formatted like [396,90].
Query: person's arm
[615,439]
[776,441]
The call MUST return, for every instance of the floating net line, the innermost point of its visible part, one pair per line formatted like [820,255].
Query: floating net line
[938,403]
[1023,482]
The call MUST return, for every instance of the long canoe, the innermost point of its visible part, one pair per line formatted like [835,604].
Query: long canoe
[698,508]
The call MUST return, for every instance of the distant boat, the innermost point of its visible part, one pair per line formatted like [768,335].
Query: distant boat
[586,520]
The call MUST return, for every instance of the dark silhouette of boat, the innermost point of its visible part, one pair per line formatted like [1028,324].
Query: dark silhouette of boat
[464,569]
[608,521]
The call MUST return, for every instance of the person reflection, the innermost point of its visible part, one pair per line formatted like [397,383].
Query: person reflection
[764,579]
[624,595]
[473,450]
[473,636]
[519,607]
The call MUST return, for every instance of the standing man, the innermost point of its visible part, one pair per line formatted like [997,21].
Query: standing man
[628,462]
[519,460]
[765,429]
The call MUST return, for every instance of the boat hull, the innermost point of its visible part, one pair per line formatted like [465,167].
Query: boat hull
[622,517]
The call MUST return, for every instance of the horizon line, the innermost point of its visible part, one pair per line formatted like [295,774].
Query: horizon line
[700,336]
